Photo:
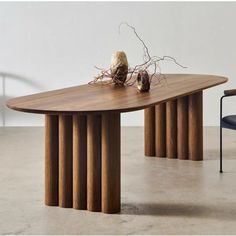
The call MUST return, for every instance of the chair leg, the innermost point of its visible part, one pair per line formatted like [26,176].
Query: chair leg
[221,170]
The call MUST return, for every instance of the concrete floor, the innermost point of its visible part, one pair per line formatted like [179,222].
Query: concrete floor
[159,196]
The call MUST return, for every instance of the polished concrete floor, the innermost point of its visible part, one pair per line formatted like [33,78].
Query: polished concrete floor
[159,196]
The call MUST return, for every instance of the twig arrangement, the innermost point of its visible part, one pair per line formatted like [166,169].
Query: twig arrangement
[142,75]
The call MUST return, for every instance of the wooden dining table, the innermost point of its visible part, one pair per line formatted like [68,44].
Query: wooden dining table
[82,134]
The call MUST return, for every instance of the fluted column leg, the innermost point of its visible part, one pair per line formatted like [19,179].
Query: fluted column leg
[149,131]
[80,162]
[182,127]
[160,130]
[94,163]
[195,125]
[171,129]
[51,160]
[111,162]
[65,161]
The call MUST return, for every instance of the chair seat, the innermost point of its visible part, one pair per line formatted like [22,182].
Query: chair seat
[229,122]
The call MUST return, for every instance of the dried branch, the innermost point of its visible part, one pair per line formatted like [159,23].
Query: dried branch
[136,34]
[106,77]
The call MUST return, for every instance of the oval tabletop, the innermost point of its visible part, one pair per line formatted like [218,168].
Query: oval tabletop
[111,98]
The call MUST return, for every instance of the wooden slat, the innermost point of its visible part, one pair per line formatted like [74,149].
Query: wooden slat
[195,127]
[160,130]
[51,160]
[149,131]
[65,161]
[79,162]
[111,162]
[182,128]
[94,162]
[171,129]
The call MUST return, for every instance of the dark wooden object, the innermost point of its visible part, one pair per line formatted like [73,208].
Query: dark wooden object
[171,129]
[80,162]
[94,163]
[182,128]
[195,127]
[149,131]
[82,155]
[51,160]
[65,161]
[111,162]
[101,98]
[160,127]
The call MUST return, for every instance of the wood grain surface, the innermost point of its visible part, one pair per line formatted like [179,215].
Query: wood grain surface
[111,162]
[79,162]
[51,160]
[195,127]
[171,129]
[94,162]
[101,98]
[182,128]
[65,161]
[149,131]
[160,127]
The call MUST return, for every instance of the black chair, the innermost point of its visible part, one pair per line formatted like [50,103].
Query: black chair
[228,122]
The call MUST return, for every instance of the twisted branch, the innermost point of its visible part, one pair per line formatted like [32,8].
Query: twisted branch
[149,61]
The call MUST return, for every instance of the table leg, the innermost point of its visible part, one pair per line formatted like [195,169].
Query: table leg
[195,139]
[111,162]
[171,129]
[80,162]
[160,126]
[182,128]
[149,131]
[65,161]
[94,163]
[51,160]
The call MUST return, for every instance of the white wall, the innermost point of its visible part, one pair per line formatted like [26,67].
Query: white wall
[46,45]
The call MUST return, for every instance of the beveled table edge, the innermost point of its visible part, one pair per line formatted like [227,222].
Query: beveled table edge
[122,110]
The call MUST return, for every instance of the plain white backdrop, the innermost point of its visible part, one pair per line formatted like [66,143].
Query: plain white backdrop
[46,46]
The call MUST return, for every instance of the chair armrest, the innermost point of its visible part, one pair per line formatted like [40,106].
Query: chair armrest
[230,92]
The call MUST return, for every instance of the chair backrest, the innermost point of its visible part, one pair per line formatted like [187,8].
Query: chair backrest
[230,92]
